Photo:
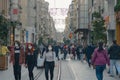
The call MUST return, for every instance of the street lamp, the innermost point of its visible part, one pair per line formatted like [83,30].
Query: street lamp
[18,30]
[19,25]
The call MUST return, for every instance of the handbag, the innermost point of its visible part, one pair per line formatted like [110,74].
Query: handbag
[44,62]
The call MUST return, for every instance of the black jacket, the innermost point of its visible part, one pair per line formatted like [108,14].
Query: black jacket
[114,52]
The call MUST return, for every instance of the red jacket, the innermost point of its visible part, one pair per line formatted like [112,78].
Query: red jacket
[21,57]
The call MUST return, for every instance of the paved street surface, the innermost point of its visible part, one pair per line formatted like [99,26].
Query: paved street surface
[42,77]
[38,73]
[76,70]
[8,74]
[70,70]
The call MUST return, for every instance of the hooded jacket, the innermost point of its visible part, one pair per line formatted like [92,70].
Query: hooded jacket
[100,58]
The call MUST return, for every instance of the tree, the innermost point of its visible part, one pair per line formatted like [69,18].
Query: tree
[3,29]
[66,41]
[99,31]
[40,40]
[117,11]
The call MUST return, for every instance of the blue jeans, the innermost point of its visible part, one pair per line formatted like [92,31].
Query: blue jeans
[99,71]
[115,63]
[65,54]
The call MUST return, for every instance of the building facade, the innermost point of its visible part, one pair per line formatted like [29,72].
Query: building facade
[78,20]
[23,19]
[71,22]
[30,20]
[4,8]
[106,8]
[45,23]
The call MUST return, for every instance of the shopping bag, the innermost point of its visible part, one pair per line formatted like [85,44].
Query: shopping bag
[40,62]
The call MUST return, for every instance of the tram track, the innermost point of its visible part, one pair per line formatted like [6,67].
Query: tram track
[38,74]
[59,71]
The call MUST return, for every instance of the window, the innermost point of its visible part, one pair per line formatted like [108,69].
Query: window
[92,2]
[82,7]
[84,14]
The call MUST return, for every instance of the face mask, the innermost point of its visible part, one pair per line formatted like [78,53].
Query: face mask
[30,47]
[50,48]
[16,45]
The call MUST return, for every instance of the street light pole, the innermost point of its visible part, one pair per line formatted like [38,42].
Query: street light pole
[78,20]
[14,13]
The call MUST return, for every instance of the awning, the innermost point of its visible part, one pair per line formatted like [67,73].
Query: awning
[80,30]
[77,30]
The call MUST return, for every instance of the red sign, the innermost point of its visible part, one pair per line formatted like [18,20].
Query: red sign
[70,35]
[15,11]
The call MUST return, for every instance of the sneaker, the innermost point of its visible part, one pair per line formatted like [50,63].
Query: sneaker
[108,72]
[119,76]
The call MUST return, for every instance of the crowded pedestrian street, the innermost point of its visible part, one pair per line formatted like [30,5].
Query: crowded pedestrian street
[59,39]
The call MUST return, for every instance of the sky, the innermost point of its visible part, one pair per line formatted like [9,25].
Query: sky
[58,10]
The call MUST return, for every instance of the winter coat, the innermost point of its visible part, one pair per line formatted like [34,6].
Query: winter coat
[114,52]
[89,51]
[100,57]
[21,57]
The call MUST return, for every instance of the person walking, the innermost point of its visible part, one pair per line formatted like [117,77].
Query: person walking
[56,49]
[99,60]
[30,60]
[78,52]
[88,53]
[114,52]
[36,52]
[17,57]
[73,52]
[49,57]
[65,51]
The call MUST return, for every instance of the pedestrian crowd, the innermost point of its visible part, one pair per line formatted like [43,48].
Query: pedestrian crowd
[28,54]
[97,56]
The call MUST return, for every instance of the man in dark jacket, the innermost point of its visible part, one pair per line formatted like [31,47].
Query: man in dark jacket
[56,49]
[79,51]
[88,52]
[114,52]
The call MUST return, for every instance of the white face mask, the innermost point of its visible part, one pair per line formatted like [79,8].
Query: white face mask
[49,48]
[30,47]
[16,45]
